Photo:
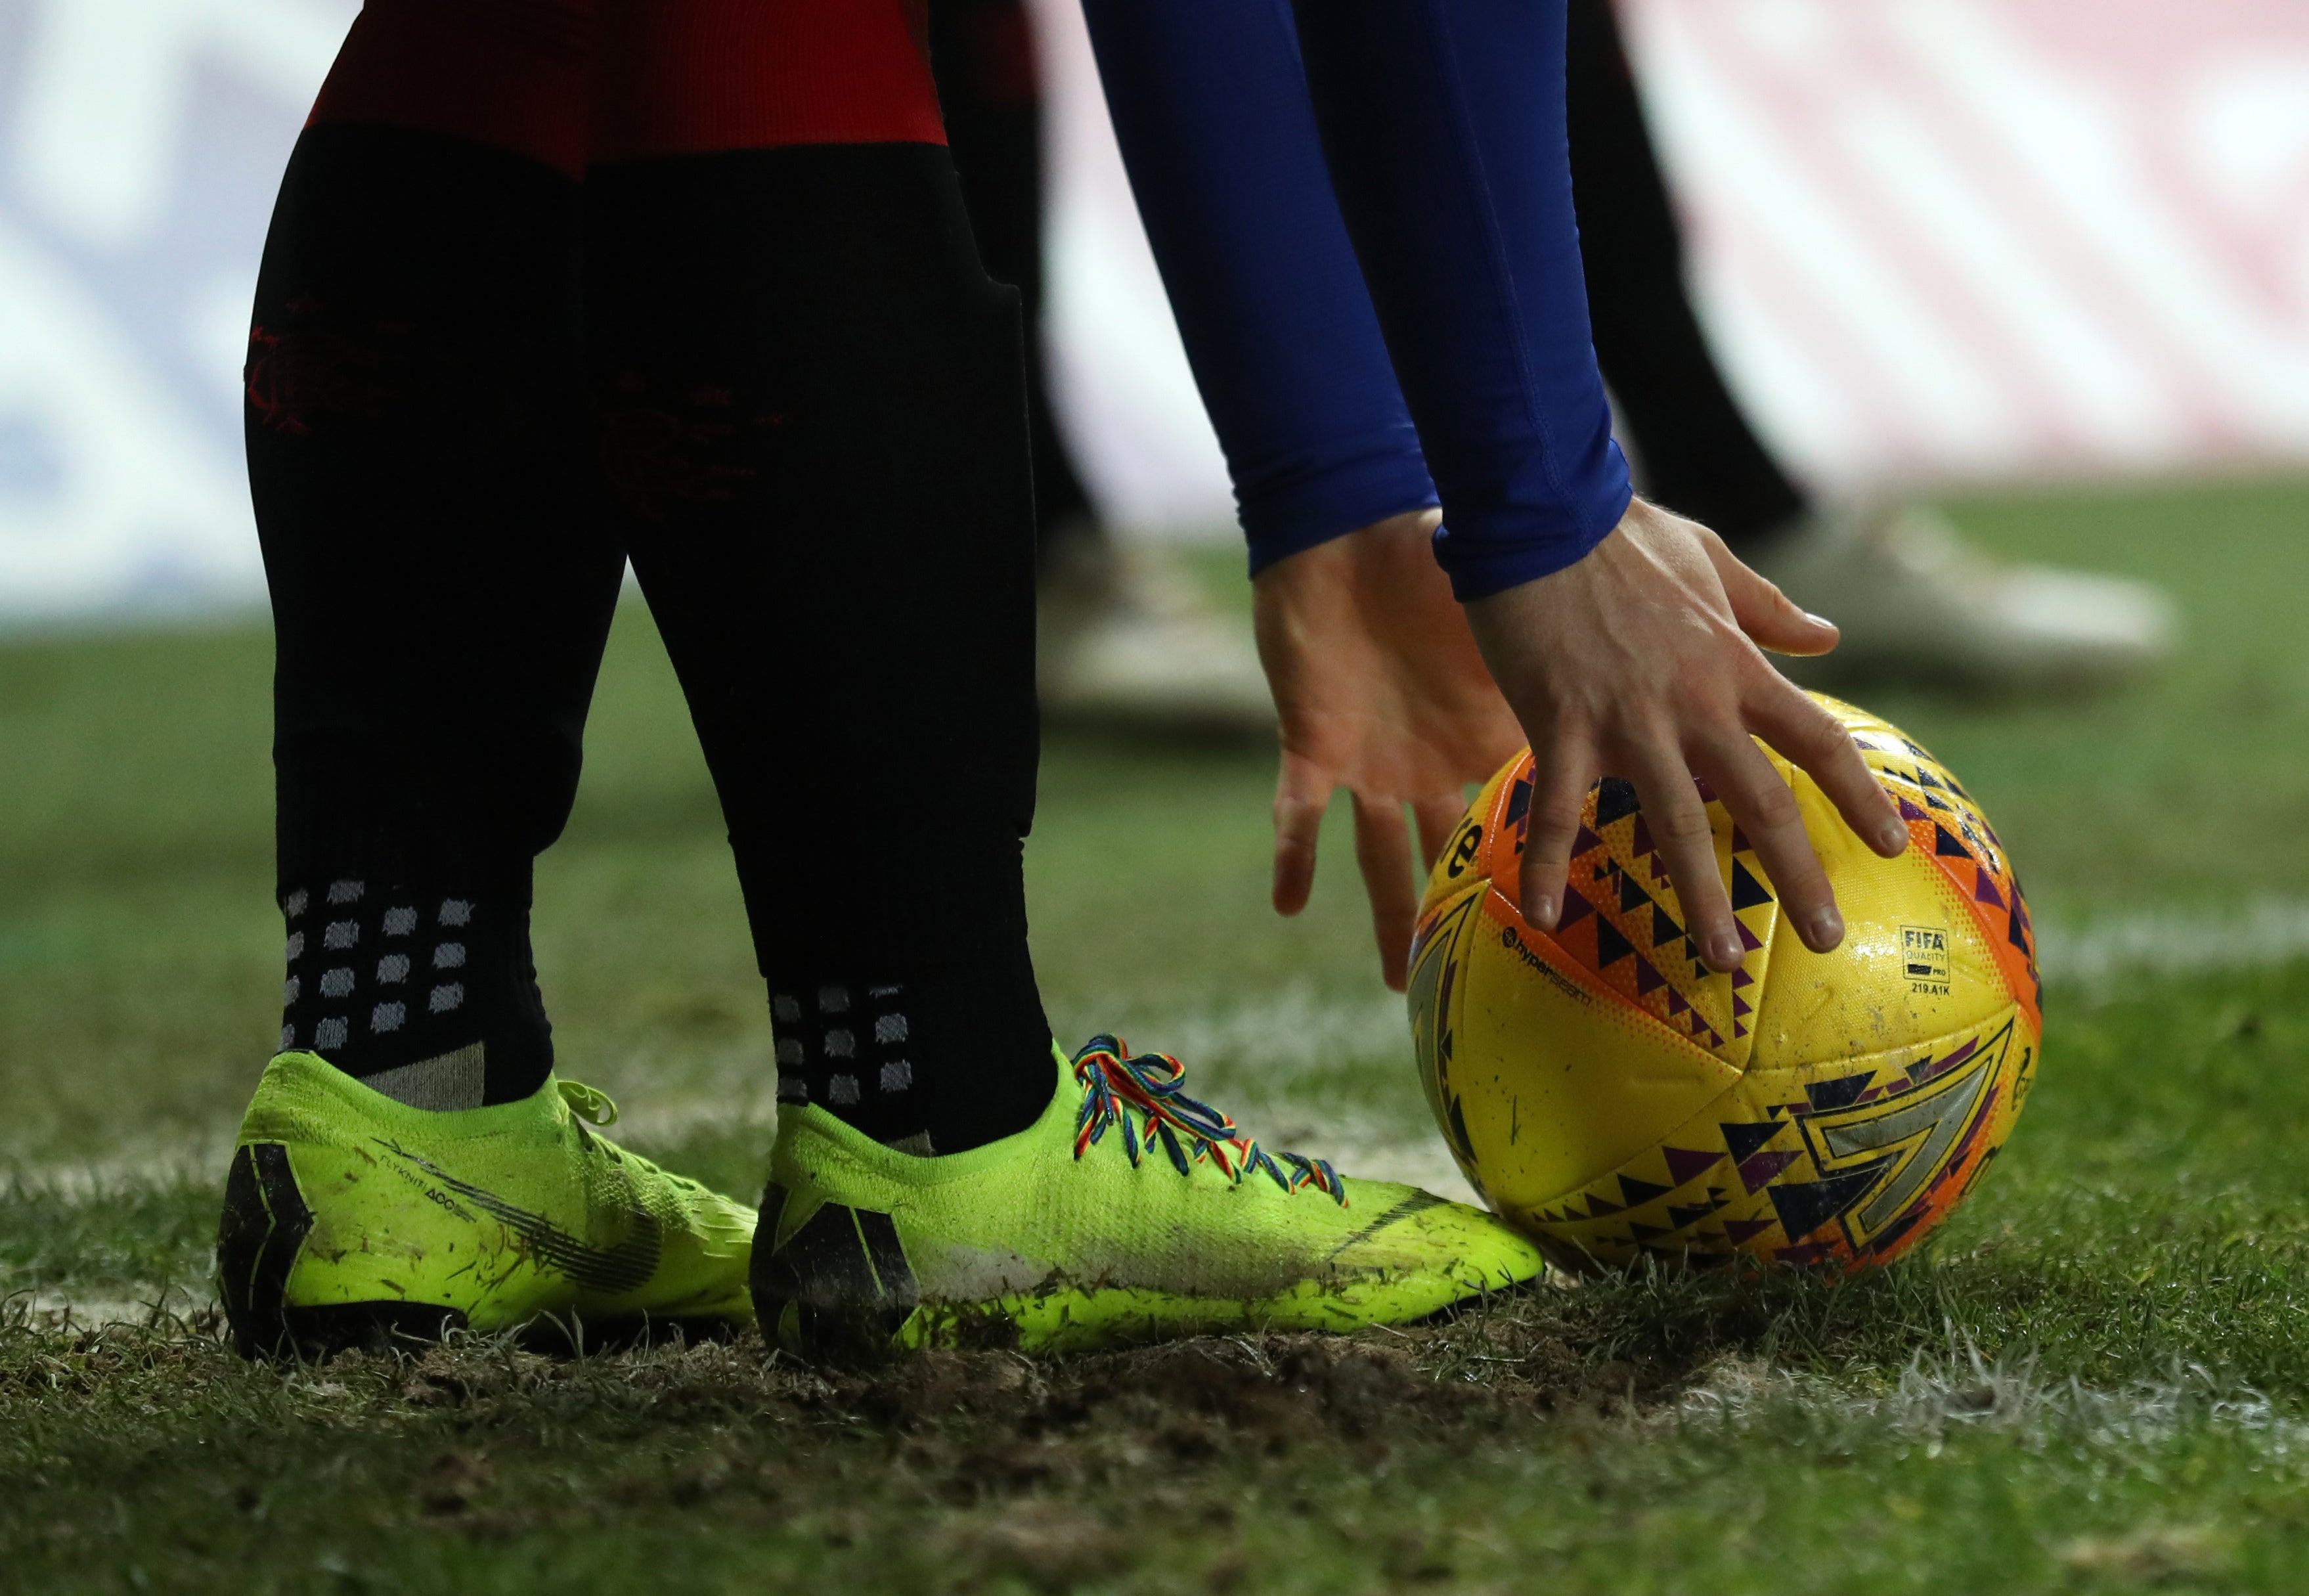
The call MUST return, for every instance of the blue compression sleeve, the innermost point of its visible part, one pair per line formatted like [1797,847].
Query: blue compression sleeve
[1211,108]
[1444,124]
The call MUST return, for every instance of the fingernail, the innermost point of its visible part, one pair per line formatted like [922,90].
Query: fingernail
[1827,927]
[1892,836]
[1725,949]
[1818,620]
[1541,913]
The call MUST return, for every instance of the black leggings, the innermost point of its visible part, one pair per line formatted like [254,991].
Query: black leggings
[781,381]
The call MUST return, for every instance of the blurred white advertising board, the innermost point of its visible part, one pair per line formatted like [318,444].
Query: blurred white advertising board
[1939,240]
[140,143]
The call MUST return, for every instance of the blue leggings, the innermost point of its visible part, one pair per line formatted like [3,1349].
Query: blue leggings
[1413,305]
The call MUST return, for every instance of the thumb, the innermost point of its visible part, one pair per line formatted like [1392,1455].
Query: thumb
[1769,616]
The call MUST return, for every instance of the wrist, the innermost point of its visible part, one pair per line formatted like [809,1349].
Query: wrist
[1393,542]
[1279,532]
[1481,566]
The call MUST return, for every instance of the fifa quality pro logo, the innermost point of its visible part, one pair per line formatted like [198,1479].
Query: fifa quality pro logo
[1923,955]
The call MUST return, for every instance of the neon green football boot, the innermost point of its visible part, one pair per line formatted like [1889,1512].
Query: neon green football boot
[1129,1212]
[350,1217]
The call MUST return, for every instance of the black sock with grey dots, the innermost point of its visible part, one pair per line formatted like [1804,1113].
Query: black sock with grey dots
[428,996]
[849,1049]
[852,1049]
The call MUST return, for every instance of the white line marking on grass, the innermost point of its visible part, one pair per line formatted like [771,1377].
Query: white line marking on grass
[146,1161]
[56,1311]
[1280,1037]
[2176,941]
[670,1118]
[1962,1389]
[1282,1032]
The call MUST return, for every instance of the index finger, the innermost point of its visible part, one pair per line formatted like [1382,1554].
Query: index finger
[1764,805]
[1810,738]
[1686,839]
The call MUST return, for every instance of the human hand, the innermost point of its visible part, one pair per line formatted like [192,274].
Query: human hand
[1643,661]
[1380,689]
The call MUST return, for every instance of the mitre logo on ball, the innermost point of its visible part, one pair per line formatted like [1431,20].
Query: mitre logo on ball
[1608,1093]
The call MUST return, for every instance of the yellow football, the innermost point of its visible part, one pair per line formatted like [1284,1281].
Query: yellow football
[1610,1096]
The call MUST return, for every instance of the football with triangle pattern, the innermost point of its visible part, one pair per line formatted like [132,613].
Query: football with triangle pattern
[1607,1093]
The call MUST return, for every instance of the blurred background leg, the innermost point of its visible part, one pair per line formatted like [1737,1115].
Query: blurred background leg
[1128,636]
[990,86]
[1691,441]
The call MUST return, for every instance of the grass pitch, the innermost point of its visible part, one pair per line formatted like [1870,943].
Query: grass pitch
[2096,1377]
